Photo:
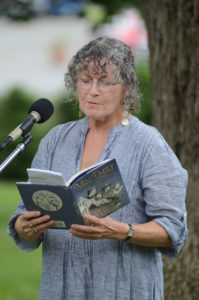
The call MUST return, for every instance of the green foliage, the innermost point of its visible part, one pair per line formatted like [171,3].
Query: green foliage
[13,110]
[144,86]
[67,110]
[20,272]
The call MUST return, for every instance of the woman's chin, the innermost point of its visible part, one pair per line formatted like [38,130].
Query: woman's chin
[94,114]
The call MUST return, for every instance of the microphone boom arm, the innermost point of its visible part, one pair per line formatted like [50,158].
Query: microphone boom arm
[20,147]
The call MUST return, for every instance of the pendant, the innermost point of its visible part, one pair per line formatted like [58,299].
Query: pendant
[125,122]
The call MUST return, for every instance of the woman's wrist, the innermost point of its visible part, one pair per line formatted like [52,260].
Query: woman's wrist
[123,231]
[150,234]
[130,233]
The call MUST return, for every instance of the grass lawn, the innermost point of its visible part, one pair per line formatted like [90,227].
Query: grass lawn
[20,272]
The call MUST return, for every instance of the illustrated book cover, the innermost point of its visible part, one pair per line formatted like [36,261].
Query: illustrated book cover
[98,190]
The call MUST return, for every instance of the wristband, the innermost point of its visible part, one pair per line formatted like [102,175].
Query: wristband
[130,233]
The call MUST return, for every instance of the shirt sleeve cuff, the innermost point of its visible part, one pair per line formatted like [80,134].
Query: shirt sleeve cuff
[21,243]
[178,235]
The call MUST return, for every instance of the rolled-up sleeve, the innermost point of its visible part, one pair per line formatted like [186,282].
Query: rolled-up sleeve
[164,184]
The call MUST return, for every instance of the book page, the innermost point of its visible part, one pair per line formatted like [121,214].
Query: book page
[84,171]
[38,176]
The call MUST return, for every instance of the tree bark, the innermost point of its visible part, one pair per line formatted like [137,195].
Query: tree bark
[173,30]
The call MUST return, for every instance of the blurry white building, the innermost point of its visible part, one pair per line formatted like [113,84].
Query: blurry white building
[34,54]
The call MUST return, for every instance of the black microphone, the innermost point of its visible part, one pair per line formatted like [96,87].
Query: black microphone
[39,112]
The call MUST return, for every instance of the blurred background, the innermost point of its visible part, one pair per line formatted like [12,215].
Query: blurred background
[37,39]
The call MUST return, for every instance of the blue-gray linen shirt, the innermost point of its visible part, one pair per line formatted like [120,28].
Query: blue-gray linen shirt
[80,269]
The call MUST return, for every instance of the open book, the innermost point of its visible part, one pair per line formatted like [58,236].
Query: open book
[98,190]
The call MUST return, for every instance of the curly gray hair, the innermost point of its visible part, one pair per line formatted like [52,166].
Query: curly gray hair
[115,53]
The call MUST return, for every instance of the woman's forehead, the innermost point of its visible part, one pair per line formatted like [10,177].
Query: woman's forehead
[102,67]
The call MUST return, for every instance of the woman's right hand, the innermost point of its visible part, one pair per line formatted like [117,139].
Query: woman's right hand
[30,225]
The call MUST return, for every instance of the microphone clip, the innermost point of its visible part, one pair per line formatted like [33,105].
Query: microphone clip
[25,128]
[27,125]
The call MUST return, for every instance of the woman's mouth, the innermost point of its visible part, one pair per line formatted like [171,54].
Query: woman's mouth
[93,103]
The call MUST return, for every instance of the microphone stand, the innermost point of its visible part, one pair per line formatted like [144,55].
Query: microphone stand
[20,147]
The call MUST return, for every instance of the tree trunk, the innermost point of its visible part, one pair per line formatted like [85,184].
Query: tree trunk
[173,30]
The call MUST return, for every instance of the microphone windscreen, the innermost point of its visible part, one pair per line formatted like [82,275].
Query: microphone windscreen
[44,107]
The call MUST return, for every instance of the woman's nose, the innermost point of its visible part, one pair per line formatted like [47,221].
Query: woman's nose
[94,88]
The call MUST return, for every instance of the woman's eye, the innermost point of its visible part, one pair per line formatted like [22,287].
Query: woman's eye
[86,80]
[105,82]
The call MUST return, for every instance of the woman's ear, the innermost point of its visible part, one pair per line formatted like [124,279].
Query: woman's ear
[125,91]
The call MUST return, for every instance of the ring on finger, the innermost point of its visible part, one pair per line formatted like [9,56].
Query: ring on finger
[30,225]
[34,230]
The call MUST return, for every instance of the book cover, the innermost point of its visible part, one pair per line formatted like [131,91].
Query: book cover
[99,191]
[56,201]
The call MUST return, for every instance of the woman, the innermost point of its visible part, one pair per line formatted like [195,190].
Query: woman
[119,256]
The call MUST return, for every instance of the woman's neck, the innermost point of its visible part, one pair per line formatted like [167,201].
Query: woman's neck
[104,125]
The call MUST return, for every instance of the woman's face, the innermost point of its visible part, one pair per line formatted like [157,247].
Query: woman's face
[99,93]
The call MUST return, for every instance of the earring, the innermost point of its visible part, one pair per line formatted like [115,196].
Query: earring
[125,120]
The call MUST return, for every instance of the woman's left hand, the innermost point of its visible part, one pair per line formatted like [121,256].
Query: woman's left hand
[100,228]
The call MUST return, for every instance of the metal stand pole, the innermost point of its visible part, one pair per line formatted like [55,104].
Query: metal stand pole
[20,147]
